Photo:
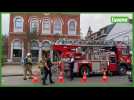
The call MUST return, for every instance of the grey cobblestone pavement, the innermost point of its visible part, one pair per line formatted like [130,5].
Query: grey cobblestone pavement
[13,76]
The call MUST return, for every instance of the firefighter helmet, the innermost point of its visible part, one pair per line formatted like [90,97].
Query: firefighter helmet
[28,54]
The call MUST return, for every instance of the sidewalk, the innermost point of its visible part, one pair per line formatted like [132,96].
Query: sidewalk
[15,70]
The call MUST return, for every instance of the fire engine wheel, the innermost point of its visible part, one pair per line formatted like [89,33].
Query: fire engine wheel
[122,69]
[82,69]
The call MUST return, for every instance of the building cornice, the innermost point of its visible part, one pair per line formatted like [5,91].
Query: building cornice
[44,13]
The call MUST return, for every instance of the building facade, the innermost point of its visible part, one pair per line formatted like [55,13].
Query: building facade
[42,30]
[121,32]
[112,32]
[99,35]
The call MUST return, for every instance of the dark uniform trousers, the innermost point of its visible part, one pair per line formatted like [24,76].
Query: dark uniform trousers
[47,72]
[71,70]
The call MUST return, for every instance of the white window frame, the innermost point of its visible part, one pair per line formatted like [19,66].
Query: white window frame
[31,24]
[54,31]
[33,47]
[44,47]
[49,21]
[19,47]
[20,29]
[72,32]
[19,44]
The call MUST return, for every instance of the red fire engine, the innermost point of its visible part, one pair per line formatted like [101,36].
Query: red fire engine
[96,58]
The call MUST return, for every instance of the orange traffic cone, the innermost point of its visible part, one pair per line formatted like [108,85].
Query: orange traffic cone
[104,77]
[84,78]
[61,78]
[36,79]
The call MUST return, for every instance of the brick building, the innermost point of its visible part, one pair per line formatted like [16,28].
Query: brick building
[46,28]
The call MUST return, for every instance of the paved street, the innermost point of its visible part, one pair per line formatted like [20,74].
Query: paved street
[14,70]
[13,76]
[117,81]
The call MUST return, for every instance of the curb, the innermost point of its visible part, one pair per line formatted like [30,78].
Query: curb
[12,75]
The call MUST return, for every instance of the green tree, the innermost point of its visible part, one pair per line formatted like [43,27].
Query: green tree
[3,48]
[31,36]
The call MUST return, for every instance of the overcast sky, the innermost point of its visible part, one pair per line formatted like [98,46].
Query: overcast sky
[95,21]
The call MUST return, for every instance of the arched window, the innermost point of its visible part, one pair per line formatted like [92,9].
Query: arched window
[34,45]
[17,45]
[46,45]
[18,24]
[35,50]
[72,27]
[46,26]
[58,26]
[17,48]
[34,25]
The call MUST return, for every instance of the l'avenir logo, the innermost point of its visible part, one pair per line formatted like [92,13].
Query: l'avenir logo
[119,19]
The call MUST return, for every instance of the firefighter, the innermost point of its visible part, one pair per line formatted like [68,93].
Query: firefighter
[28,66]
[47,68]
[41,67]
